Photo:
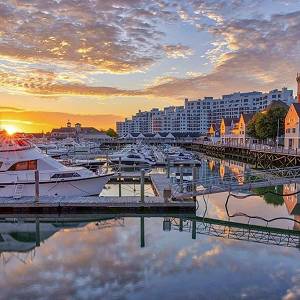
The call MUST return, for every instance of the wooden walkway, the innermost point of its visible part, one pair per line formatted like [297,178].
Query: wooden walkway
[263,157]
[103,204]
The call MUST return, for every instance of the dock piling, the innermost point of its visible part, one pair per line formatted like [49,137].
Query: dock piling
[120,164]
[181,178]
[194,225]
[37,185]
[37,232]
[142,232]
[195,177]
[142,185]
[106,161]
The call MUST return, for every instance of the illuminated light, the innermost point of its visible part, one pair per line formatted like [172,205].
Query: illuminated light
[10,129]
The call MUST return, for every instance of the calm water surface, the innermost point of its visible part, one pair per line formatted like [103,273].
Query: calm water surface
[117,257]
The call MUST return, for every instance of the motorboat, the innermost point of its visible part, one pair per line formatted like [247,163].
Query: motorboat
[19,161]
[91,164]
[131,158]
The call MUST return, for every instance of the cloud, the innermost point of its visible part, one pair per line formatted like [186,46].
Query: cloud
[178,51]
[111,36]
[256,55]
[50,48]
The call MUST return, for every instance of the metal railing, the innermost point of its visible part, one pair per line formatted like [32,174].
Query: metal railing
[239,231]
[255,147]
[247,180]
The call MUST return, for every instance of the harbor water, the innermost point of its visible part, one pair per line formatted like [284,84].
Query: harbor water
[157,257]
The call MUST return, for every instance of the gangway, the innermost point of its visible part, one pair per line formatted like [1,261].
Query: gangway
[246,181]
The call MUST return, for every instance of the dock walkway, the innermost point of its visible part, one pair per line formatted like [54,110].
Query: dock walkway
[102,204]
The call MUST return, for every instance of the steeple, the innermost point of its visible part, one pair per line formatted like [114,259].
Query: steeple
[298,87]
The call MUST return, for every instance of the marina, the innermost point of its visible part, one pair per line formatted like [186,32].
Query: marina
[149,150]
[189,210]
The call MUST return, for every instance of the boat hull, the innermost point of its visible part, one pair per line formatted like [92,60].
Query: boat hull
[68,188]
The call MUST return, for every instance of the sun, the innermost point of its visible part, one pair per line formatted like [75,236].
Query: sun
[10,129]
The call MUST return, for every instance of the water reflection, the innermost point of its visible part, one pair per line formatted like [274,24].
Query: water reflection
[149,257]
[152,257]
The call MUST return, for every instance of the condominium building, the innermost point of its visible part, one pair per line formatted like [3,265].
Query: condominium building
[198,115]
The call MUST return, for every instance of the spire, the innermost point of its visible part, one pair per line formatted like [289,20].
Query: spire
[298,87]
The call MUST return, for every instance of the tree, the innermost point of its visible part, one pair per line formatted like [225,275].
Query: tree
[271,194]
[250,130]
[111,132]
[264,125]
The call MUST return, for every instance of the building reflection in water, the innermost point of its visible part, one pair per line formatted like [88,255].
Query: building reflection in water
[292,201]
[228,168]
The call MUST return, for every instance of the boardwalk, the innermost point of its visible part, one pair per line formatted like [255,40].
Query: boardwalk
[259,155]
[103,204]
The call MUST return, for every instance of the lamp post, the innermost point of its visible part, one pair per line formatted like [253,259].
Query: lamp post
[277,138]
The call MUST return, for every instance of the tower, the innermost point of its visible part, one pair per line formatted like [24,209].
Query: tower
[298,87]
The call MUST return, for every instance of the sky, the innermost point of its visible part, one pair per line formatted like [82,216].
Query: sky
[99,61]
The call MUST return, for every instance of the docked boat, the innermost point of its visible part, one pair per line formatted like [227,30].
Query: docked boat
[132,158]
[19,159]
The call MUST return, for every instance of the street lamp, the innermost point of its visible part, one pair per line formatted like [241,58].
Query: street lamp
[277,138]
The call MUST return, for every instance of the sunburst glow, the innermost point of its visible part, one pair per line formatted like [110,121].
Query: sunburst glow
[10,129]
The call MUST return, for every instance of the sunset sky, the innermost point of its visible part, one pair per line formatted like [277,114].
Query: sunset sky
[97,61]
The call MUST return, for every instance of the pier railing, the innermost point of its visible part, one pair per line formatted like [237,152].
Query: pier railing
[254,147]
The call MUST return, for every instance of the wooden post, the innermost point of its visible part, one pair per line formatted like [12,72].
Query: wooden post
[193,229]
[120,164]
[142,185]
[37,232]
[180,224]
[167,224]
[37,185]
[195,177]
[181,178]
[107,161]
[120,184]
[168,167]
[142,232]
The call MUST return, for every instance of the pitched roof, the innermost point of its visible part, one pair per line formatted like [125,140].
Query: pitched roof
[228,121]
[149,135]
[248,117]
[297,108]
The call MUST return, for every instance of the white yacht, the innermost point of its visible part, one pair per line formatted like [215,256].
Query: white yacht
[131,158]
[18,161]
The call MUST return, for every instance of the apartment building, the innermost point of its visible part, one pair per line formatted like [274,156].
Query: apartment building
[198,115]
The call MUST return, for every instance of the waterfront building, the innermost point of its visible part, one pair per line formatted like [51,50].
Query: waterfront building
[197,115]
[292,123]
[233,130]
[78,132]
[226,127]
[213,131]
[292,127]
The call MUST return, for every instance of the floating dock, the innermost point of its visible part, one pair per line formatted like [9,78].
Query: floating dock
[102,204]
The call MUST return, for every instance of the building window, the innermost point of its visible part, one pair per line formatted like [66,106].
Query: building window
[293,130]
